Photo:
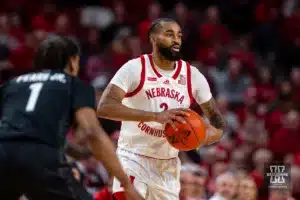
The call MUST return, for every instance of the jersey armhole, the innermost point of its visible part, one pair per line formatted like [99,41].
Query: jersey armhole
[189,82]
[142,80]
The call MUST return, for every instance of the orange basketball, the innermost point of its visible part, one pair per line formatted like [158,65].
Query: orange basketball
[189,136]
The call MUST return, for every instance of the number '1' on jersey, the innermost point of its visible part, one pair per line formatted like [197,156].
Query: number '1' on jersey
[40,106]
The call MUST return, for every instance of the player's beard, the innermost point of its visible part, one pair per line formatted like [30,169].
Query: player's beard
[168,54]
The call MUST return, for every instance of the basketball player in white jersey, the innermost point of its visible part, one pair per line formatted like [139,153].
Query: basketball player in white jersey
[145,94]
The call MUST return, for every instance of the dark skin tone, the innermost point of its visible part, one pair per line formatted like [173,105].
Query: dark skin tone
[165,34]
[98,141]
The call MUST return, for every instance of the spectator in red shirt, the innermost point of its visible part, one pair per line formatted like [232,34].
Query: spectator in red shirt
[63,26]
[283,105]
[213,29]
[290,29]
[213,36]
[286,140]
[21,58]
[261,158]
[154,12]
[253,132]
[250,104]
[266,92]
[242,52]
[16,29]
[5,37]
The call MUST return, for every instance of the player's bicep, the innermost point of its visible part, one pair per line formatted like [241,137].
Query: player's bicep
[112,94]
[213,113]
[123,82]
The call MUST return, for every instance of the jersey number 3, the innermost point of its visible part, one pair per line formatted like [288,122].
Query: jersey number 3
[35,89]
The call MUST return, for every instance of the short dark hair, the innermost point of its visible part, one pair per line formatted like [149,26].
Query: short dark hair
[157,24]
[55,52]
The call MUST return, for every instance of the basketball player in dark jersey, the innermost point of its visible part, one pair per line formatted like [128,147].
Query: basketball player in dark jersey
[37,109]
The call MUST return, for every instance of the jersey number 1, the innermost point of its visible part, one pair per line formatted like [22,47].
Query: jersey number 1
[35,89]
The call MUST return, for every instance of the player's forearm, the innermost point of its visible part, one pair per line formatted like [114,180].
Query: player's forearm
[216,129]
[104,151]
[217,126]
[114,110]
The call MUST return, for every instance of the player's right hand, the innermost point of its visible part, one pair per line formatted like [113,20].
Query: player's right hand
[131,193]
[170,116]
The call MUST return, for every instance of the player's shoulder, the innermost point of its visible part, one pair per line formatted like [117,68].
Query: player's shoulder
[195,71]
[134,61]
[197,76]
[132,66]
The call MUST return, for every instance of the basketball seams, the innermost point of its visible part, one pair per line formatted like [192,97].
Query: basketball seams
[202,120]
[193,131]
[181,140]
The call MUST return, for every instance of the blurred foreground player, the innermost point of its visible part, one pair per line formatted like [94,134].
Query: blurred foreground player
[37,109]
[145,94]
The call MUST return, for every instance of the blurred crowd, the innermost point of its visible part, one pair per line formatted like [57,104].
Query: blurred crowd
[247,49]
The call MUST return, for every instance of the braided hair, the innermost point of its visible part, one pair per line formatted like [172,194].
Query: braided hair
[156,24]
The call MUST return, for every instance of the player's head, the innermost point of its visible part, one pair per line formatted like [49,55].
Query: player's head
[58,53]
[165,36]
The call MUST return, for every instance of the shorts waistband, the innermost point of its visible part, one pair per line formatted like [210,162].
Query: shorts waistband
[119,150]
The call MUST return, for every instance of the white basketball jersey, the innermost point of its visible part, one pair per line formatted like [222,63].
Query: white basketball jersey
[155,93]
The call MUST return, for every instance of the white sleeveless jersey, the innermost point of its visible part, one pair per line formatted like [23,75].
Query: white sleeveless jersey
[155,93]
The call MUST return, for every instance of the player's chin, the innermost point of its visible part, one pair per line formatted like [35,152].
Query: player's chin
[175,56]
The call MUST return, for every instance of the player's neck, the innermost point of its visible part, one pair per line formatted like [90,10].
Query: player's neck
[162,63]
[68,71]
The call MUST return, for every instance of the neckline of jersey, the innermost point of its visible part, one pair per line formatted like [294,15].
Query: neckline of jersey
[176,71]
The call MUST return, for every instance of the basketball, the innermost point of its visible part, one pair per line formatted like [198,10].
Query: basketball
[189,136]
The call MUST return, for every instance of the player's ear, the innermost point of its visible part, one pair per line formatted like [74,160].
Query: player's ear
[152,39]
[74,64]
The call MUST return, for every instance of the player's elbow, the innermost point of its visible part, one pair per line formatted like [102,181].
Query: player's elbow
[103,109]
[107,109]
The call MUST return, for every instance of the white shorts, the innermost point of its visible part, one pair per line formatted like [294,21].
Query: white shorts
[154,179]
